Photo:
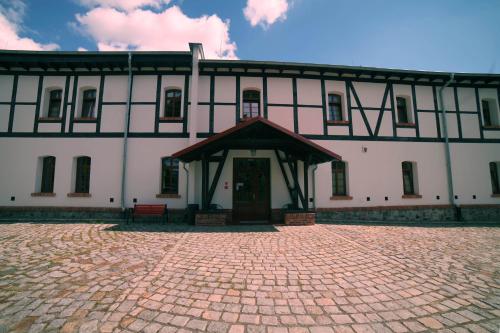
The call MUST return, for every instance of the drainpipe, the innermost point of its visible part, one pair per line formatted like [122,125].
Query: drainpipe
[125,132]
[449,175]
[187,183]
[314,186]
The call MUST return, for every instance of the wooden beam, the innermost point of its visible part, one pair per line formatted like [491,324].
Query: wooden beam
[218,172]
[285,177]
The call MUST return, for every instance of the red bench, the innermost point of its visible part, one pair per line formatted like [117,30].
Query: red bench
[149,210]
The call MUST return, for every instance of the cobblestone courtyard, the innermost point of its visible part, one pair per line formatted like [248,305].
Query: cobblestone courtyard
[322,278]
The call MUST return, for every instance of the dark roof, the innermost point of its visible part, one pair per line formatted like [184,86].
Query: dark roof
[356,71]
[258,133]
[110,60]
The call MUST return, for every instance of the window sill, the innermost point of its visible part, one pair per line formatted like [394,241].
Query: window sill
[411,196]
[405,124]
[171,119]
[337,122]
[43,194]
[491,126]
[49,119]
[340,197]
[79,195]
[168,195]
[248,118]
[495,195]
[85,119]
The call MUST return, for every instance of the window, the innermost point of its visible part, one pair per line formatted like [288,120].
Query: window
[335,107]
[88,103]
[169,175]
[173,103]
[54,103]
[408,179]
[48,169]
[251,103]
[402,110]
[495,182]
[339,184]
[82,184]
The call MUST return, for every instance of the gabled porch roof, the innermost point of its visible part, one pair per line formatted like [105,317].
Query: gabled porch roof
[258,133]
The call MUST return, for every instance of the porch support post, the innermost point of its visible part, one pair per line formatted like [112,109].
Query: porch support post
[204,182]
[305,204]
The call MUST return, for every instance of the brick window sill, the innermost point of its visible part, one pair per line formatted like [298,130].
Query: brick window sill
[171,118]
[86,119]
[495,195]
[43,194]
[168,195]
[491,126]
[411,196]
[337,122]
[79,195]
[340,197]
[406,124]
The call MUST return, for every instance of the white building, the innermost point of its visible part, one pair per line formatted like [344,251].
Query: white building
[64,143]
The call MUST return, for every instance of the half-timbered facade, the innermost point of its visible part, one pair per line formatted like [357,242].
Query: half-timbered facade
[105,130]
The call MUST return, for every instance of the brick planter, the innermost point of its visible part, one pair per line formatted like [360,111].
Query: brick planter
[300,218]
[210,219]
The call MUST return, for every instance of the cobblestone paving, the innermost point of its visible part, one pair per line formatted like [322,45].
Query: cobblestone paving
[322,278]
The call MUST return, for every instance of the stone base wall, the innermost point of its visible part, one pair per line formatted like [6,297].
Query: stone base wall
[210,219]
[60,213]
[300,218]
[480,213]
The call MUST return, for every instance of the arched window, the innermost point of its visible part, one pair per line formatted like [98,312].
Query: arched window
[55,97]
[88,103]
[339,179]
[169,175]
[402,110]
[251,103]
[173,103]
[82,180]
[48,170]
[335,107]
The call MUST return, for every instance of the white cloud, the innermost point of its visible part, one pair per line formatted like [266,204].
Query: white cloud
[145,30]
[81,49]
[265,12]
[126,5]
[11,19]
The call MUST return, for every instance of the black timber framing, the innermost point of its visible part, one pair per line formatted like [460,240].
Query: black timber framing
[436,112]
[415,110]
[220,166]
[349,106]
[382,110]
[157,104]
[73,105]
[291,189]
[361,110]
[204,182]
[186,104]
[13,103]
[479,113]
[393,110]
[324,107]
[99,104]
[65,104]
[212,106]
[238,102]
[295,108]
[457,111]
[306,163]
[38,102]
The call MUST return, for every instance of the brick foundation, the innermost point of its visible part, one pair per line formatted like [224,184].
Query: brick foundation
[210,219]
[300,218]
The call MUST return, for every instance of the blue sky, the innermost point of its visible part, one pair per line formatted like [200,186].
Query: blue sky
[443,35]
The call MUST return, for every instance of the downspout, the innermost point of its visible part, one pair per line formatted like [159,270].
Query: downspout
[314,186]
[125,132]
[449,175]
[187,183]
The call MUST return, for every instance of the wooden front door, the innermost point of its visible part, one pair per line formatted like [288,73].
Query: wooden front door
[251,190]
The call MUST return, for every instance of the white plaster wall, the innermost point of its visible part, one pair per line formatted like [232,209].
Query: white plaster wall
[377,173]
[309,92]
[225,89]
[144,88]
[425,97]
[204,89]
[448,99]
[19,170]
[115,88]
[282,116]
[370,94]
[467,99]
[4,117]
[451,124]
[27,87]
[386,124]
[170,127]
[113,118]
[310,120]
[224,117]
[279,90]
[24,118]
[202,123]
[427,125]
[470,126]
[358,125]
[6,82]
[471,174]
[142,118]
[49,127]
[338,130]
[84,127]
[406,132]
